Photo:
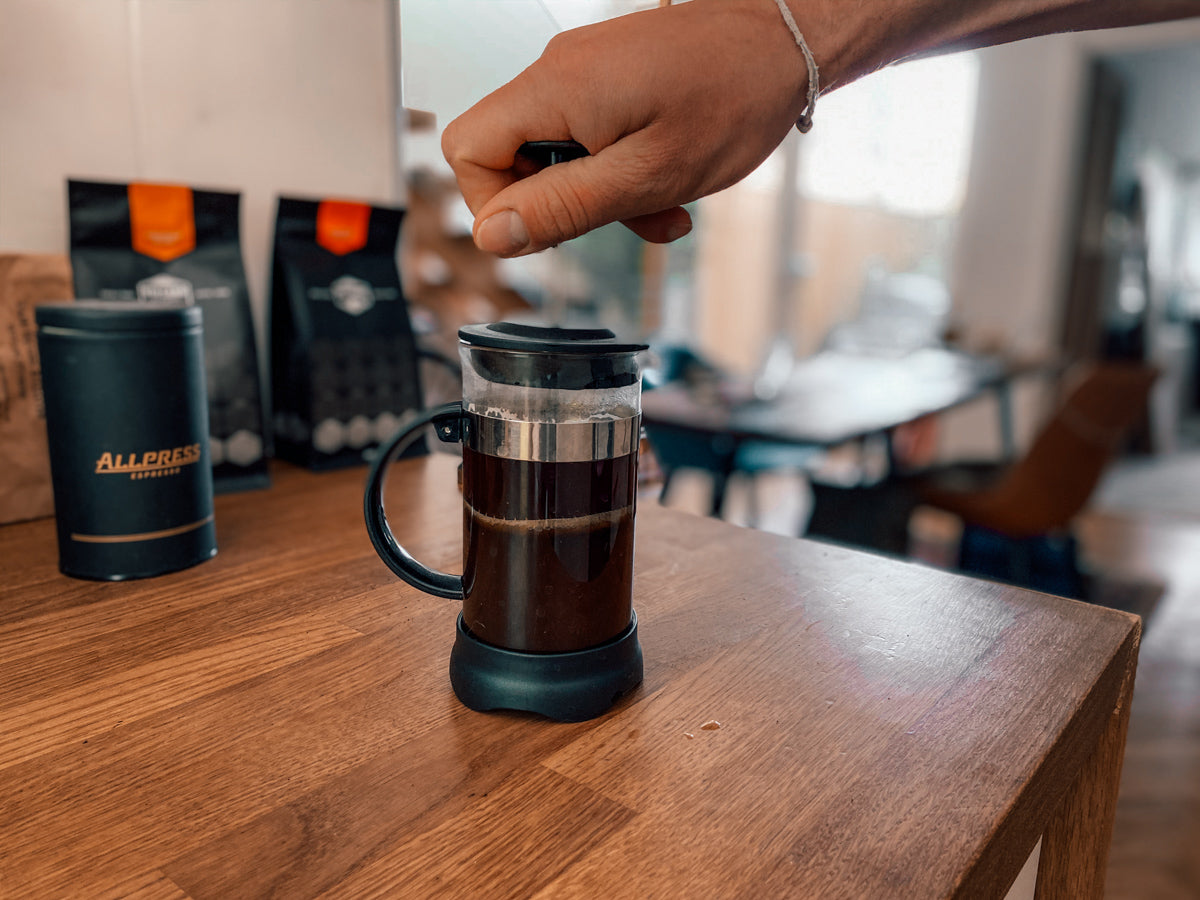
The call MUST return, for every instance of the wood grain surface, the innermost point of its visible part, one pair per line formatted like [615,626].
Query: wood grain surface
[278,722]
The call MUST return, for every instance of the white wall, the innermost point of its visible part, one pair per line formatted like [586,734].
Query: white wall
[1007,260]
[262,97]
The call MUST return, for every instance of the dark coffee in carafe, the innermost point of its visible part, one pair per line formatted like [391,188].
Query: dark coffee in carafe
[548,550]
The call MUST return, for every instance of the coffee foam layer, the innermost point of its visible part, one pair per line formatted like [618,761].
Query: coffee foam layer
[608,518]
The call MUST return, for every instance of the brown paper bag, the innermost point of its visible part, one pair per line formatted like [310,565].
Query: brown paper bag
[25,281]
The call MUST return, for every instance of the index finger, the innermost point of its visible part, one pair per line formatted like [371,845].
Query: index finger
[481,144]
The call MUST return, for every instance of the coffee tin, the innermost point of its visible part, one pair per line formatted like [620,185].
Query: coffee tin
[127,421]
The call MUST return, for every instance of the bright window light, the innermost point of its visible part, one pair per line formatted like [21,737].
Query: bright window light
[899,139]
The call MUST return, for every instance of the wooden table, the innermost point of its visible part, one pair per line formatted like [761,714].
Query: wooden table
[278,722]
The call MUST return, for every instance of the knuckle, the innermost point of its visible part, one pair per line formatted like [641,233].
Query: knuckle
[450,142]
[562,211]
[454,144]
[648,185]
[561,45]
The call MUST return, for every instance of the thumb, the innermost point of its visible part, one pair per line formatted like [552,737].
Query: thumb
[541,210]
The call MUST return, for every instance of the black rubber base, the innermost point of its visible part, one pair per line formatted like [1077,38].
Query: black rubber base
[568,687]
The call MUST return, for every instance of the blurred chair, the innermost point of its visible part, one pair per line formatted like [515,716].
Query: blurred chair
[440,374]
[677,447]
[719,456]
[1017,519]
[669,363]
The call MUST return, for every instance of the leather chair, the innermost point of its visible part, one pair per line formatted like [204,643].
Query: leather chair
[1017,519]
[720,457]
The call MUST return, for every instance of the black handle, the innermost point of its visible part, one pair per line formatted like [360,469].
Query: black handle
[447,422]
[549,153]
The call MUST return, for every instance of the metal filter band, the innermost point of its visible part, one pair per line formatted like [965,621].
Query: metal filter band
[552,442]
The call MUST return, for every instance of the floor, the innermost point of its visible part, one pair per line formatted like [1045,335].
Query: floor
[1145,523]
[1155,851]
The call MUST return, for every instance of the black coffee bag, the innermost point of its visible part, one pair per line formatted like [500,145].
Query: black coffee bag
[343,356]
[145,242]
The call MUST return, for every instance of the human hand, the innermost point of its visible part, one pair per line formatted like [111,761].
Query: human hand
[672,103]
[678,102]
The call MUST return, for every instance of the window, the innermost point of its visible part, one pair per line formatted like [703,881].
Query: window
[879,183]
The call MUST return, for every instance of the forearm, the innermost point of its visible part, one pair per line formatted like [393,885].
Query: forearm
[1081,16]
[851,38]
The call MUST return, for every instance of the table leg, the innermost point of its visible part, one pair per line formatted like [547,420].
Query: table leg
[1075,845]
[719,482]
[1004,409]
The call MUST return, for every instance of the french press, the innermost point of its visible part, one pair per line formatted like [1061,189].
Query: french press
[549,425]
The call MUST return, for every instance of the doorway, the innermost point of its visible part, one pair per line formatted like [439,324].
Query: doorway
[1134,284]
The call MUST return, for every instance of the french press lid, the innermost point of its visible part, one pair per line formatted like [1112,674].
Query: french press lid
[549,357]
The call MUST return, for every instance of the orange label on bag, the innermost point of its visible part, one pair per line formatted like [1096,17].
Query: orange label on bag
[342,226]
[162,220]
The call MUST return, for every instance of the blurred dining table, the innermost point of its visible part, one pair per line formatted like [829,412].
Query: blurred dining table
[829,399]
[833,397]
